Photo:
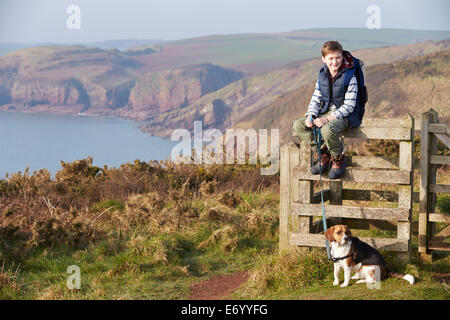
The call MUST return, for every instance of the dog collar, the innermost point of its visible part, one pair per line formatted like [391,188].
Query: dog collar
[340,258]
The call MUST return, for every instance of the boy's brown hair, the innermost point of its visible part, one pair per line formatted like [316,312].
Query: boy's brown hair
[331,46]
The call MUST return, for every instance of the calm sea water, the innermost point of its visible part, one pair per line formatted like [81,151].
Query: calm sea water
[42,141]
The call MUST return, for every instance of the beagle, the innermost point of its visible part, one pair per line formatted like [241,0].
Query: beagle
[352,254]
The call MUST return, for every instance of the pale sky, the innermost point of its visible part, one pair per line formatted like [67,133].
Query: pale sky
[45,20]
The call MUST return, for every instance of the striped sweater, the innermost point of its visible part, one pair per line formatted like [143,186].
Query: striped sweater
[315,107]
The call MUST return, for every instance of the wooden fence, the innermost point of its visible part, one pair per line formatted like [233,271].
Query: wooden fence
[300,202]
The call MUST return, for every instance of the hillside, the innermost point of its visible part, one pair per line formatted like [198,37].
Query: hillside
[171,84]
[257,53]
[246,101]
[60,79]
[408,86]
[77,79]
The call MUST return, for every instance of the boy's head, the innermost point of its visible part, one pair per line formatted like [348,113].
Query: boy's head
[332,55]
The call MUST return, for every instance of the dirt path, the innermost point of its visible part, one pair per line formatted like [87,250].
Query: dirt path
[218,287]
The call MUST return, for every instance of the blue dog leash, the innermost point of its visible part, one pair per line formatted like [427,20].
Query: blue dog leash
[317,140]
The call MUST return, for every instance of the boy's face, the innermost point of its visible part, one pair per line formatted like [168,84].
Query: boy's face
[333,60]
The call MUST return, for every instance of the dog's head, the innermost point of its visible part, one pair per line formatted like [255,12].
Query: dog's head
[339,233]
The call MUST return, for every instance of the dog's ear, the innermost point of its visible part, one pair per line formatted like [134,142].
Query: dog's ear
[348,232]
[329,234]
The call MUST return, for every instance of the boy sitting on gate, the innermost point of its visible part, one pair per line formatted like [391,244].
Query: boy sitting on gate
[336,104]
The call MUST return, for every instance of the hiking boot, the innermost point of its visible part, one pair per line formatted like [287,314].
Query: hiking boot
[338,165]
[325,159]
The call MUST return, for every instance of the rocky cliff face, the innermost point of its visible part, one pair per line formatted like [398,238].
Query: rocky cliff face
[175,89]
[76,79]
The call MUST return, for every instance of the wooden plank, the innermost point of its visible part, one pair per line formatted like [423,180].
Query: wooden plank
[440,188]
[374,176]
[294,160]
[404,233]
[405,192]
[422,234]
[445,139]
[439,217]
[417,124]
[441,128]
[440,246]
[378,133]
[318,240]
[385,123]
[338,211]
[306,189]
[372,162]
[406,156]
[439,159]
[405,197]
[432,149]
[426,117]
[437,241]
[444,233]
[305,155]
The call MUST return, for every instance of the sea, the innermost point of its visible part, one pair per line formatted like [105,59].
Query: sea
[42,141]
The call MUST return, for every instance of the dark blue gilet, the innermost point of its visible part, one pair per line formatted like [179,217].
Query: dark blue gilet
[336,93]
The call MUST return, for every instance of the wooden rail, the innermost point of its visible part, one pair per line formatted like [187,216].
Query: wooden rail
[299,202]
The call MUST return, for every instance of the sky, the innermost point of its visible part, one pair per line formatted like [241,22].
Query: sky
[99,20]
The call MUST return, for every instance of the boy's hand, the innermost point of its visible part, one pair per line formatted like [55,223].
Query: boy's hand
[323,121]
[320,122]
[308,123]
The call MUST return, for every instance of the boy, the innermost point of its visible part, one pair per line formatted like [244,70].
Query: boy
[331,107]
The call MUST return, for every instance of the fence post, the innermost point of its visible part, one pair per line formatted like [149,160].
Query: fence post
[428,145]
[289,154]
[305,189]
[405,193]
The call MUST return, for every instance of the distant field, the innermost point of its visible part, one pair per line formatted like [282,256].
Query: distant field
[257,53]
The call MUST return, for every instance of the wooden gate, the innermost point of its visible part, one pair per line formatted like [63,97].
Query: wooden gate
[431,130]
[299,202]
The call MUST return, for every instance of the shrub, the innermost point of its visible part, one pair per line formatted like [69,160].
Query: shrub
[230,199]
